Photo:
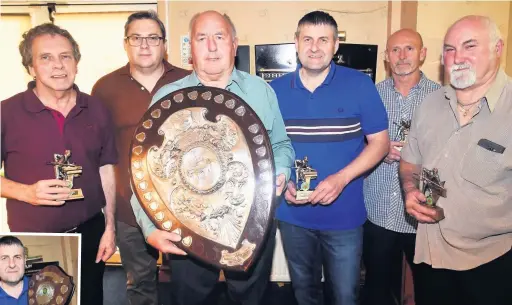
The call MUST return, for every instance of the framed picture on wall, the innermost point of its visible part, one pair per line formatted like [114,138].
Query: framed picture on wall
[275,60]
[362,57]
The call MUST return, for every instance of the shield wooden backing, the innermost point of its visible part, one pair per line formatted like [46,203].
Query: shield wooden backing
[202,166]
[50,286]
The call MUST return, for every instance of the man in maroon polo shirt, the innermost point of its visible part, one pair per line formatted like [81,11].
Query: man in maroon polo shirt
[50,117]
[127,92]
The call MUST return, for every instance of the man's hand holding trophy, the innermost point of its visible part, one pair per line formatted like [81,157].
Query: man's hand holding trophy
[430,189]
[298,192]
[67,171]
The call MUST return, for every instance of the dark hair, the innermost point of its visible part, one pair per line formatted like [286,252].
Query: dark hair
[44,29]
[10,240]
[317,18]
[151,15]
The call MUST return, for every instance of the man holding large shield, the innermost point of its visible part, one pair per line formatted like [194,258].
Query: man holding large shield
[213,45]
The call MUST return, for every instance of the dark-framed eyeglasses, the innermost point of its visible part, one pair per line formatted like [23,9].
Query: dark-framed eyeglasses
[136,41]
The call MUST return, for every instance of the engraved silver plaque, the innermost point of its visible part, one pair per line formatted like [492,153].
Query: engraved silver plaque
[204,169]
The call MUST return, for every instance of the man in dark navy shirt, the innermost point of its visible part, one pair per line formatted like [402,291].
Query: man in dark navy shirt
[328,110]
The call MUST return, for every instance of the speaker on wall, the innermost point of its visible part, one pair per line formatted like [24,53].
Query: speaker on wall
[242,59]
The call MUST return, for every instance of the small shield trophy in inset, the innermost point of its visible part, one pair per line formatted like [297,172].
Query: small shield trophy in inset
[67,171]
[50,286]
[432,187]
[304,173]
[403,132]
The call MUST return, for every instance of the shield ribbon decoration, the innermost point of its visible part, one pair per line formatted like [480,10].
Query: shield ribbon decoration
[201,166]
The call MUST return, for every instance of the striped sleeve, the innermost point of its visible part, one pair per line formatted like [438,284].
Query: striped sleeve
[323,130]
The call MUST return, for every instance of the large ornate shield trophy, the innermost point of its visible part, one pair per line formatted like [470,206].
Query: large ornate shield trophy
[50,286]
[202,167]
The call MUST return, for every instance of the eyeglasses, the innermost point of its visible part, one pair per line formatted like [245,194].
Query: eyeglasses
[136,41]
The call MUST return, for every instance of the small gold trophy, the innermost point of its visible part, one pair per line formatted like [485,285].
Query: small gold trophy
[432,187]
[403,132]
[304,173]
[67,171]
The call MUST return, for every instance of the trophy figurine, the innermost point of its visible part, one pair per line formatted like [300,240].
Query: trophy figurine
[432,187]
[304,173]
[67,171]
[403,132]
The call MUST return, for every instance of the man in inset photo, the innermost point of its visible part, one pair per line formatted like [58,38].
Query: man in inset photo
[13,283]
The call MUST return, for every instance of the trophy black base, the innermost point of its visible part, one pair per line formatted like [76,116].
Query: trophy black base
[76,194]
[303,195]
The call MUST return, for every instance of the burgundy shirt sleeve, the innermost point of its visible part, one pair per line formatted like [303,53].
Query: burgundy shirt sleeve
[2,144]
[108,144]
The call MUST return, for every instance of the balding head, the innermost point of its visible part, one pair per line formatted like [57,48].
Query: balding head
[472,51]
[477,22]
[405,34]
[405,52]
[213,45]
[215,14]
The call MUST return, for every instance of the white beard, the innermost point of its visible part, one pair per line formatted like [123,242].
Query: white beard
[462,79]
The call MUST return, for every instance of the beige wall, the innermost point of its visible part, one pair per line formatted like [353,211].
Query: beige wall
[508,41]
[95,61]
[12,27]
[434,18]
[366,22]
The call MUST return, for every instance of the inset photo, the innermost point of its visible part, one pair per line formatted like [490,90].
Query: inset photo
[39,268]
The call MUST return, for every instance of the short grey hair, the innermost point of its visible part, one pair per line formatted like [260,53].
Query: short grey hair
[493,29]
[224,16]
[10,240]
